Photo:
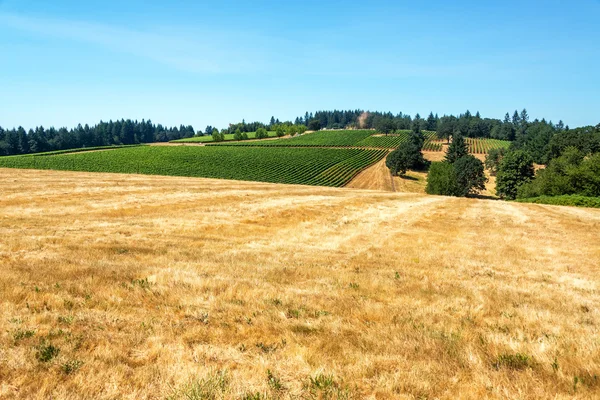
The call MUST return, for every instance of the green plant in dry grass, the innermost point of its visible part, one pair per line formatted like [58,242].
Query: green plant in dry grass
[212,387]
[516,361]
[21,334]
[46,353]
[323,386]
[274,381]
[71,366]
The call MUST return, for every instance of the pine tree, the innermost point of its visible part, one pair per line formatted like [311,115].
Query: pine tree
[457,149]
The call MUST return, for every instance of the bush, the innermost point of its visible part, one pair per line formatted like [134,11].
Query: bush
[314,125]
[515,169]
[442,180]
[261,133]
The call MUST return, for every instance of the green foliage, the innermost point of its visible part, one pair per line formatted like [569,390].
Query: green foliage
[535,139]
[493,159]
[339,138]
[466,176]
[442,180]
[274,381]
[319,166]
[516,361]
[71,366]
[585,139]
[217,136]
[571,173]
[470,175]
[457,149]
[237,135]
[46,353]
[211,387]
[407,156]
[280,131]
[314,125]
[515,169]
[564,200]
[385,125]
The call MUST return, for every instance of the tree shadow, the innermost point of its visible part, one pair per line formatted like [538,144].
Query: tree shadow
[408,178]
[483,197]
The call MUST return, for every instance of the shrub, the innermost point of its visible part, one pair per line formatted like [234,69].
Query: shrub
[46,353]
[261,133]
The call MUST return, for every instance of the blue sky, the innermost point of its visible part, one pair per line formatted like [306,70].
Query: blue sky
[204,62]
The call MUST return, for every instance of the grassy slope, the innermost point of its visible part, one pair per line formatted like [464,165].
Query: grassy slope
[565,200]
[153,282]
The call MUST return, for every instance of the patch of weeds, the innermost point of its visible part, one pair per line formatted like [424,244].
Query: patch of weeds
[322,382]
[303,329]
[555,365]
[71,366]
[242,348]
[21,334]
[46,353]
[68,304]
[18,321]
[325,387]
[292,313]
[65,319]
[321,313]
[276,302]
[353,285]
[586,379]
[515,362]
[274,381]
[253,396]
[267,348]
[212,387]
[396,275]
[142,283]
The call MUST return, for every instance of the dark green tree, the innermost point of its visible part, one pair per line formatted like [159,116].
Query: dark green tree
[457,149]
[493,159]
[470,175]
[516,169]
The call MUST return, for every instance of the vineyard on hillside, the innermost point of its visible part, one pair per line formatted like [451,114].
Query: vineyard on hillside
[483,146]
[209,138]
[342,138]
[321,167]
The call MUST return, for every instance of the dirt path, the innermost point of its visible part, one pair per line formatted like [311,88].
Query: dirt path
[378,177]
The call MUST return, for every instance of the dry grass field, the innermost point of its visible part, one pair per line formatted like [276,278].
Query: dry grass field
[135,287]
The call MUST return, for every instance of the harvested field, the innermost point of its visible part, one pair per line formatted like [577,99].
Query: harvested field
[130,286]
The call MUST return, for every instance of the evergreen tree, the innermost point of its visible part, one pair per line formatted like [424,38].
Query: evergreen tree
[457,149]
[431,122]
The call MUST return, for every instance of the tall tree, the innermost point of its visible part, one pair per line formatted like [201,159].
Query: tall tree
[457,149]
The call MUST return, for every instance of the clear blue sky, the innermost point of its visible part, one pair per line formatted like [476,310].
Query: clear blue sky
[204,62]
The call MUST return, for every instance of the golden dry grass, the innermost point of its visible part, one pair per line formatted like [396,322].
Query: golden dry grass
[145,284]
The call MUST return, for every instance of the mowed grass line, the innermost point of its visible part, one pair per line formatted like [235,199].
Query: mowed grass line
[276,165]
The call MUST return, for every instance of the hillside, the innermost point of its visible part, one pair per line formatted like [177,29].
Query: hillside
[131,286]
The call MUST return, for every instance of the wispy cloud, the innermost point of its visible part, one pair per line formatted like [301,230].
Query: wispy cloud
[198,52]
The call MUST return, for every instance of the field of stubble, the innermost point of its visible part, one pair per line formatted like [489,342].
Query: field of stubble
[117,286]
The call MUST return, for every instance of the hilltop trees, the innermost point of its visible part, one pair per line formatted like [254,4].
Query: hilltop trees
[40,139]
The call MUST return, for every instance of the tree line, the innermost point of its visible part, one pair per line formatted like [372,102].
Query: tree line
[123,132]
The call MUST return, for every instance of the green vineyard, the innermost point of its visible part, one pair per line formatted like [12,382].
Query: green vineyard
[342,138]
[483,146]
[209,139]
[311,166]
